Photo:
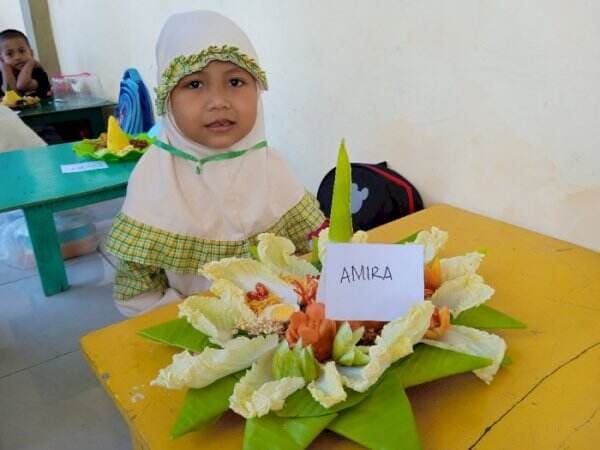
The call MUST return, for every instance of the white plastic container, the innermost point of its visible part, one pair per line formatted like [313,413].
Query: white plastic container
[68,87]
[76,233]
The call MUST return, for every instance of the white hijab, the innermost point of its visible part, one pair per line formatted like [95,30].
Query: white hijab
[15,134]
[229,200]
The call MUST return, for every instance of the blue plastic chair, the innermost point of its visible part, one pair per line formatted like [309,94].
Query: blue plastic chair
[134,109]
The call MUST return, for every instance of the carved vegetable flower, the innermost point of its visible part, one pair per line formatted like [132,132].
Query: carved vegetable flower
[433,277]
[439,323]
[306,288]
[312,327]
[260,298]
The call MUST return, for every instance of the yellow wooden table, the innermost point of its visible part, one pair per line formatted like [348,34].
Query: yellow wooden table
[548,398]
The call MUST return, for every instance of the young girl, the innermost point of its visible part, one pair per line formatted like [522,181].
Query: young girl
[210,184]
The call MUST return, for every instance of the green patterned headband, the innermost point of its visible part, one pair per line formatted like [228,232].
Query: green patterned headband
[184,65]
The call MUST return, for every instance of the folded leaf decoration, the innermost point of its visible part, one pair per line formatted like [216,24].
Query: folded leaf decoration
[261,344]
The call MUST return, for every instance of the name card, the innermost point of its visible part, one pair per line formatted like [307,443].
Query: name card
[371,281]
[83,167]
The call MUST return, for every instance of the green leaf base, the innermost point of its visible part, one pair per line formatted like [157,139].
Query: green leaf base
[281,433]
[483,316]
[178,333]
[384,420]
[203,407]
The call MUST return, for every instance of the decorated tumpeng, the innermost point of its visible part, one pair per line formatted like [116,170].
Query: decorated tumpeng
[296,347]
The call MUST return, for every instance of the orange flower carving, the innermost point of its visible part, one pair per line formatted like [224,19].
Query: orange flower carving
[306,289]
[314,329]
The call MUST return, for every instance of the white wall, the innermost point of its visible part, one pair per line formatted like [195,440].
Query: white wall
[489,105]
[10,15]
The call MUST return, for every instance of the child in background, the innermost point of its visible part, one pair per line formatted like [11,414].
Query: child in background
[194,197]
[20,71]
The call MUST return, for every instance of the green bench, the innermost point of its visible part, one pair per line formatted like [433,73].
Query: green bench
[32,180]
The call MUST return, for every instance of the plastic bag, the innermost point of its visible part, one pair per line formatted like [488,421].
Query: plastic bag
[76,233]
[68,87]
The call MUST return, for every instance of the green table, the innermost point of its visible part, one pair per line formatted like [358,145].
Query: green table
[50,112]
[32,181]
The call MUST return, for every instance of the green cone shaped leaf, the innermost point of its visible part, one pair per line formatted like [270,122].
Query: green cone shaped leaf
[308,363]
[360,358]
[343,341]
[345,351]
[297,362]
[340,226]
[285,362]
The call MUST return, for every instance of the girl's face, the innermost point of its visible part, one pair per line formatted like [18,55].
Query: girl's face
[217,106]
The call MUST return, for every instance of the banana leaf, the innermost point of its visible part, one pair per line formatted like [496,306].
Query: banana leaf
[429,363]
[302,404]
[425,364]
[283,433]
[483,316]
[203,407]
[178,333]
[384,420]
[408,239]
[302,417]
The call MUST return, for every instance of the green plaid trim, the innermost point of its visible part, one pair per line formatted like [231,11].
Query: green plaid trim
[184,65]
[146,249]
[299,222]
[132,279]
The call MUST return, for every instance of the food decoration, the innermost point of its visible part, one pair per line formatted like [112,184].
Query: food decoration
[260,343]
[14,101]
[115,145]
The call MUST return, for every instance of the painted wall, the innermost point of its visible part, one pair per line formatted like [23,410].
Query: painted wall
[10,15]
[489,105]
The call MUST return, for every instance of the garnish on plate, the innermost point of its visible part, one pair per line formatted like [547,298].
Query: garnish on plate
[114,145]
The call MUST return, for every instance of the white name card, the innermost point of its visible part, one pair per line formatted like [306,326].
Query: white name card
[83,167]
[371,281]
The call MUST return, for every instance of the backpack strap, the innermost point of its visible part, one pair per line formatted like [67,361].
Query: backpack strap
[398,181]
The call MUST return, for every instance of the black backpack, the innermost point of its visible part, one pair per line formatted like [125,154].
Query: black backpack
[379,195]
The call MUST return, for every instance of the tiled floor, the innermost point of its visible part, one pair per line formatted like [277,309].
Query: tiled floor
[49,398]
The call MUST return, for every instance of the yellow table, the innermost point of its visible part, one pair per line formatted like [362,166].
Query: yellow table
[548,398]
